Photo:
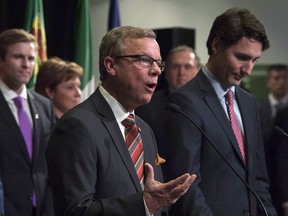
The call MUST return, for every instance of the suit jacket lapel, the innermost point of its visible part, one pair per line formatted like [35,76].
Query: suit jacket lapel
[36,124]
[12,124]
[249,128]
[113,129]
[216,108]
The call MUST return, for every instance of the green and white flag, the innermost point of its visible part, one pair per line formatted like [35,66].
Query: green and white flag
[83,47]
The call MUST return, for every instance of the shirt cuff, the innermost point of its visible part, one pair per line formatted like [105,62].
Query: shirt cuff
[146,209]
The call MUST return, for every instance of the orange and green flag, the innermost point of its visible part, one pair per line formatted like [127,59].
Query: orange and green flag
[35,25]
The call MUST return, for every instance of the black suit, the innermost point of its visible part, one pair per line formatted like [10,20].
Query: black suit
[279,161]
[152,113]
[19,173]
[217,190]
[90,168]
[1,197]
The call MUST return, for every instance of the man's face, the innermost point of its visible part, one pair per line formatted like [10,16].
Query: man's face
[133,83]
[183,67]
[277,83]
[17,67]
[232,64]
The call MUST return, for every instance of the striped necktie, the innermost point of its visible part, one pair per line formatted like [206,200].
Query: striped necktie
[135,146]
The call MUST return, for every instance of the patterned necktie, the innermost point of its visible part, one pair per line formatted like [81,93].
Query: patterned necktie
[235,127]
[135,146]
[25,125]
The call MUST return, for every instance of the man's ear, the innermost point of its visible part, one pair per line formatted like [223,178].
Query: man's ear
[110,65]
[216,45]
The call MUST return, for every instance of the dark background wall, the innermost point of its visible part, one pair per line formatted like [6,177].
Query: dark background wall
[59,18]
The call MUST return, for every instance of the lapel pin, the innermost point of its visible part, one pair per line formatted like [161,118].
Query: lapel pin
[36,116]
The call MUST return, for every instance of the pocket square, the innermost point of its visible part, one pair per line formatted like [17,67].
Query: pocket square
[159,160]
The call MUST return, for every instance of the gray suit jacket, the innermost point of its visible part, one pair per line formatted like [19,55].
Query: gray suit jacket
[90,168]
[217,190]
[19,173]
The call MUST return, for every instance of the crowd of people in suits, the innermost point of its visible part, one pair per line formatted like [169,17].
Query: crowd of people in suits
[23,167]
[273,112]
[194,148]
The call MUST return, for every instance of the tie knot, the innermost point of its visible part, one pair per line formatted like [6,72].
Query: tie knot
[129,121]
[18,102]
[229,96]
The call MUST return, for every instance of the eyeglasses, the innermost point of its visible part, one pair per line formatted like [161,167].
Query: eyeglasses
[145,61]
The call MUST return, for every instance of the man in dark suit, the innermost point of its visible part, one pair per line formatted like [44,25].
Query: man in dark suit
[1,197]
[277,83]
[236,41]
[90,168]
[182,64]
[23,167]
[279,161]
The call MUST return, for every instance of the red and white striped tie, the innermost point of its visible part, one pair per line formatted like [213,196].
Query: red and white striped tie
[135,146]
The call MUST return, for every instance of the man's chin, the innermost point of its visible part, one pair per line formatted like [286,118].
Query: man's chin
[235,82]
[146,100]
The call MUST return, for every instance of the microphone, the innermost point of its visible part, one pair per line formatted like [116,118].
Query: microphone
[175,108]
[280,130]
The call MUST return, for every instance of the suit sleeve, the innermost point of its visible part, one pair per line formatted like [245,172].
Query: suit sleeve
[73,166]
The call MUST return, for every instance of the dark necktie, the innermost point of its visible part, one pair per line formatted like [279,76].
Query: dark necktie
[135,146]
[24,124]
[235,127]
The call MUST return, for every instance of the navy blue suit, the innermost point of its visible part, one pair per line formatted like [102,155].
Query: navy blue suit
[217,190]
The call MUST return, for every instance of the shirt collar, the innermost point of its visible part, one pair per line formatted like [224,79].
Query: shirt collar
[216,84]
[9,94]
[118,110]
[275,102]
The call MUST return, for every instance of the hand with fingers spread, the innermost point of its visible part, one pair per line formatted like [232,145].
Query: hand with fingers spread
[159,196]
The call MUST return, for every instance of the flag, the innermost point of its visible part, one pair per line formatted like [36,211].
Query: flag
[114,15]
[35,25]
[83,47]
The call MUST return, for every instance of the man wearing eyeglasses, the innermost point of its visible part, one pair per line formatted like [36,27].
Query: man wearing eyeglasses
[91,170]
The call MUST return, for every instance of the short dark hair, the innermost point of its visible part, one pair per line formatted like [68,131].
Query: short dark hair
[277,67]
[235,24]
